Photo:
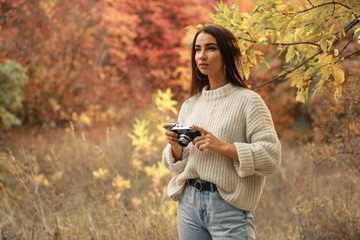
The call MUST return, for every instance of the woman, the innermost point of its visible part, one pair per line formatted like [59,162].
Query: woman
[220,177]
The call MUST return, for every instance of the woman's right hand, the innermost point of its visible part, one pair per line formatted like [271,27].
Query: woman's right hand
[172,138]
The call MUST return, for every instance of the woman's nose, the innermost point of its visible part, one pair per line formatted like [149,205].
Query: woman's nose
[203,55]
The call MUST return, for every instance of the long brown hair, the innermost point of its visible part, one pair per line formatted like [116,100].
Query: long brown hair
[230,53]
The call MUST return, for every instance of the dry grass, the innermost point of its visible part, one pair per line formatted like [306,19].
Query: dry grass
[51,187]
[303,202]
[51,191]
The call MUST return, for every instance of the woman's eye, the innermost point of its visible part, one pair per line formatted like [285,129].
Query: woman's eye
[206,49]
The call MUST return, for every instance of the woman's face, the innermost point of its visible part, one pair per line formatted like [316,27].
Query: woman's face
[207,56]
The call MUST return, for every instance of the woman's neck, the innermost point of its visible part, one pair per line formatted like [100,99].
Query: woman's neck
[217,81]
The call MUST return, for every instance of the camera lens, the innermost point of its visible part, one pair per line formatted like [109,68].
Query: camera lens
[184,140]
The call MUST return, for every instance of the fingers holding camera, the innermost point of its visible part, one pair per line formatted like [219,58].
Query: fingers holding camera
[166,125]
[201,144]
[207,141]
[203,131]
[172,138]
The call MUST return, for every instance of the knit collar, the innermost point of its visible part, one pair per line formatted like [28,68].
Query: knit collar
[217,93]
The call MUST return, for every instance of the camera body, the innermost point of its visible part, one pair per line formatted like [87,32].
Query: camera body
[185,131]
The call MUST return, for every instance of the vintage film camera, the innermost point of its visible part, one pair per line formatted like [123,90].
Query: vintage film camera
[185,131]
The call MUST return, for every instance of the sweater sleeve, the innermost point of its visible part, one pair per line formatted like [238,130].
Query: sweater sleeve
[167,156]
[261,154]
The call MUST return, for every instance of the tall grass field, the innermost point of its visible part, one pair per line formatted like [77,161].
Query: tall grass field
[108,182]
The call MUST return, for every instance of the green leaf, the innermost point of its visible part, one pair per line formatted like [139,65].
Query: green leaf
[323,45]
[12,79]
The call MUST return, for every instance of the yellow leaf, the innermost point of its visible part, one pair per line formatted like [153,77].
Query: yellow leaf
[46,183]
[39,178]
[101,173]
[356,31]
[297,81]
[339,76]
[135,202]
[164,102]
[171,209]
[246,71]
[120,183]
[85,119]
[252,59]
[290,53]
[302,95]
[309,72]
[338,93]
[323,45]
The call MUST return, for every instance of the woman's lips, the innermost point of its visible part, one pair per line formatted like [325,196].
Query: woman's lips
[203,65]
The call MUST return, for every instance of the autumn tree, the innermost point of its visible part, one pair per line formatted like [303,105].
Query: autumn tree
[53,40]
[308,33]
[95,61]
[317,46]
[154,31]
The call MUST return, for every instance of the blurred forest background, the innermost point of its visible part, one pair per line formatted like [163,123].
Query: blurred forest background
[85,86]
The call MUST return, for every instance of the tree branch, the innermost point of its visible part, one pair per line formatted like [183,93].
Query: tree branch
[310,3]
[278,44]
[353,54]
[348,27]
[287,73]
[351,25]
[333,10]
[248,40]
[295,43]
[324,4]
[250,36]
[316,164]
[345,46]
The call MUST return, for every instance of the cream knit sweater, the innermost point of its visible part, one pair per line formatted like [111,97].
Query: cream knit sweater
[235,115]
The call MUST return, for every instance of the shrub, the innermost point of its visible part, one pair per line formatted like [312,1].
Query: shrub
[12,79]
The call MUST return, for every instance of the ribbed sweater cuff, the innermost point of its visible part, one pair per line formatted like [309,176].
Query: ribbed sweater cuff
[245,166]
[169,159]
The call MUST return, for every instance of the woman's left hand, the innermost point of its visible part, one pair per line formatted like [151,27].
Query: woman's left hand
[209,141]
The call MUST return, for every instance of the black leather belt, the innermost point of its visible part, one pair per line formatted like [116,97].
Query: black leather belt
[200,185]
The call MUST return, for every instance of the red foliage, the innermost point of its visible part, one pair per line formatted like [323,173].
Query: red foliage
[94,56]
[103,58]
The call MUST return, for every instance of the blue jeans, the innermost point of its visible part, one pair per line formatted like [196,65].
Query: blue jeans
[206,215]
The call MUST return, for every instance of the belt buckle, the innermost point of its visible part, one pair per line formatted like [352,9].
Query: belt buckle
[196,184]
